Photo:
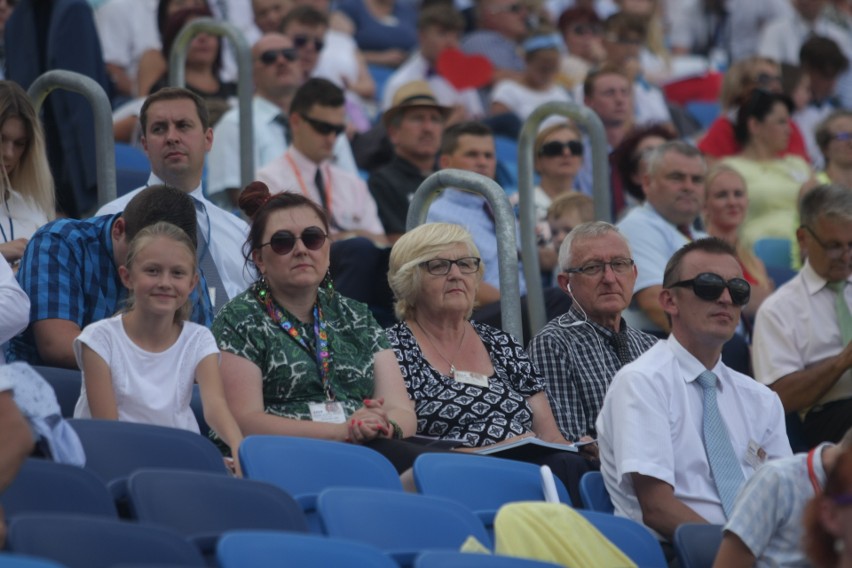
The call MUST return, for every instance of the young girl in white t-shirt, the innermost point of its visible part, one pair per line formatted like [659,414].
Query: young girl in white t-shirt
[140,365]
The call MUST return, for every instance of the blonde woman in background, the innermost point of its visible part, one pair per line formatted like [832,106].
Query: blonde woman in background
[725,209]
[26,185]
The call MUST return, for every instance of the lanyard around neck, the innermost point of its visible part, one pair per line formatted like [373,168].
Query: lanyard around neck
[812,472]
[304,188]
[322,353]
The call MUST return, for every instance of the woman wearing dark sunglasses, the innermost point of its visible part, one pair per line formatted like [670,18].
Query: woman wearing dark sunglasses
[298,359]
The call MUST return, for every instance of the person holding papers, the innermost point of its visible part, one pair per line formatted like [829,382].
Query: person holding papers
[469,381]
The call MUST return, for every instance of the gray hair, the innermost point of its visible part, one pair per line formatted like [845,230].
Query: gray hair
[654,158]
[584,231]
[419,245]
[828,200]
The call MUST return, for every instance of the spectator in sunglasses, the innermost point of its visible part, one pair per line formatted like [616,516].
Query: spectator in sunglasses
[317,119]
[802,334]
[827,541]
[711,426]
[582,33]
[298,358]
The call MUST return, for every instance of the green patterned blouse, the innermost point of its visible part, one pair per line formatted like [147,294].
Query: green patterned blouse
[291,378]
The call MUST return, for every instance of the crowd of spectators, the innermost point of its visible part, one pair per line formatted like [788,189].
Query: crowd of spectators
[669,340]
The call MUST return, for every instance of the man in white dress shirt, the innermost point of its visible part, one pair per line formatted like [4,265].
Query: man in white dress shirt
[679,431]
[802,346]
[176,138]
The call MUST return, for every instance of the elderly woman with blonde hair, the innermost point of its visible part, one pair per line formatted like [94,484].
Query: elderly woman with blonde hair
[469,381]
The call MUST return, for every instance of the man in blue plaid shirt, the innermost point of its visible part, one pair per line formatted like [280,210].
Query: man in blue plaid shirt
[579,352]
[70,272]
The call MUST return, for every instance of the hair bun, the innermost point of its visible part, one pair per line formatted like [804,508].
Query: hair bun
[253,197]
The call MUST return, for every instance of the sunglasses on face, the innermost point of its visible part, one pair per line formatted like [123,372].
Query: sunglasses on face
[709,286]
[557,148]
[842,136]
[442,266]
[301,41]
[283,242]
[583,29]
[322,127]
[270,56]
[765,79]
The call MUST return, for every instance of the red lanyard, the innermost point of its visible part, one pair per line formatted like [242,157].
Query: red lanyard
[812,473]
[304,188]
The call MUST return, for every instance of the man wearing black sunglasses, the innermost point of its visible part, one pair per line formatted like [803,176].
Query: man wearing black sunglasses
[803,332]
[680,431]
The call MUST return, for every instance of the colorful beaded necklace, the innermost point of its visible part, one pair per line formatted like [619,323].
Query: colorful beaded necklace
[322,353]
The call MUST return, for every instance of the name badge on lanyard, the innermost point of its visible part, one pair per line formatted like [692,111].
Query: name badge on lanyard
[329,411]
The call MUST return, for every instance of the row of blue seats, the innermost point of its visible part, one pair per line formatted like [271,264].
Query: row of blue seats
[201,505]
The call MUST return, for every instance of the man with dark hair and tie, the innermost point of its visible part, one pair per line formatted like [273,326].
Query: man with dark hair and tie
[803,332]
[176,136]
[317,117]
[680,431]
[579,352]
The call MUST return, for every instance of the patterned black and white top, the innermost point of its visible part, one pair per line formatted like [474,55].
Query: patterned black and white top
[449,409]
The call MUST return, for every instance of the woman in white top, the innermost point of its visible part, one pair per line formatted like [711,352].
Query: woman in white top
[26,185]
[140,365]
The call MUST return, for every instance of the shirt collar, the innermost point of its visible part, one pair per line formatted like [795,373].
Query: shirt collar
[304,163]
[813,281]
[690,366]
[266,110]
[197,193]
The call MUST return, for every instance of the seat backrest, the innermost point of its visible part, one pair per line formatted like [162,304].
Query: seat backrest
[401,524]
[202,506]
[66,384]
[696,545]
[481,483]
[305,466]
[449,559]
[8,560]
[265,549]
[593,493]
[43,486]
[90,542]
[116,449]
[634,540]
[774,251]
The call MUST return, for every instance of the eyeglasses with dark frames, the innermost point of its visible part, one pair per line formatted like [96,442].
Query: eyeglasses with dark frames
[270,56]
[618,265]
[300,41]
[709,286]
[283,242]
[832,250]
[442,266]
[322,127]
[556,148]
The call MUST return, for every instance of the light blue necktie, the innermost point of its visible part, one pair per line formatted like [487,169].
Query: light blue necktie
[218,295]
[724,464]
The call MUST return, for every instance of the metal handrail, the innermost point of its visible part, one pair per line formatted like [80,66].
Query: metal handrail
[504,220]
[245,85]
[591,124]
[102,112]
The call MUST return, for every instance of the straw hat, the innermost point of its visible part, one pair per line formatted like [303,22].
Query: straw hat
[415,94]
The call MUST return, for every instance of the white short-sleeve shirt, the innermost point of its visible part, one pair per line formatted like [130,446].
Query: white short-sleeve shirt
[651,423]
[151,388]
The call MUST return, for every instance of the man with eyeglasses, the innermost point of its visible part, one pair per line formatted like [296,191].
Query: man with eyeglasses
[276,75]
[679,431]
[579,352]
[802,343]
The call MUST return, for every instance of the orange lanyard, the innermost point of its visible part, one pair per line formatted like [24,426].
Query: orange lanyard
[304,188]
[812,472]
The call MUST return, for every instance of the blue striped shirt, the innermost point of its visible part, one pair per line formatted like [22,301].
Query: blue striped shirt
[69,273]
